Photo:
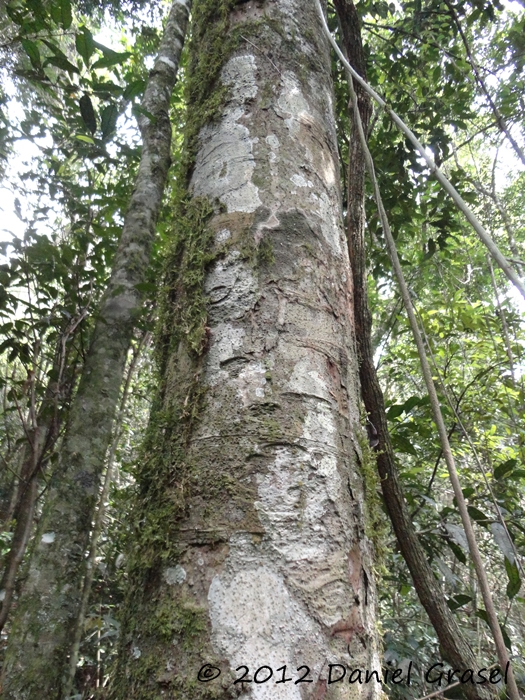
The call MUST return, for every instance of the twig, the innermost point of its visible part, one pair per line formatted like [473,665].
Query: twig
[479,79]
[10,469]
[440,176]
[262,52]
[437,693]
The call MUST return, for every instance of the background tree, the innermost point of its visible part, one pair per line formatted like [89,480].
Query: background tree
[49,607]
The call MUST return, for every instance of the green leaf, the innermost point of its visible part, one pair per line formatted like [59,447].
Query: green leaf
[146,287]
[457,533]
[478,516]
[85,44]
[61,62]
[105,50]
[32,51]
[457,551]
[108,120]
[458,601]
[106,87]
[402,444]
[85,139]
[518,474]
[502,540]
[503,469]
[66,15]
[60,11]
[88,113]
[482,614]
[134,89]
[431,249]
[513,574]
[37,7]
[57,51]
[411,403]
[137,109]
[506,638]
[395,411]
[111,60]
[54,11]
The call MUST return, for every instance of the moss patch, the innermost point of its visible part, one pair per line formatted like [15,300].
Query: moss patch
[182,314]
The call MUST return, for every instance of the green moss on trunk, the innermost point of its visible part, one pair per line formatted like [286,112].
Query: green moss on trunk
[207,446]
[165,475]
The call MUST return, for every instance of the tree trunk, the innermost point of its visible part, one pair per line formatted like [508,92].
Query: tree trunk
[23,516]
[39,445]
[37,657]
[454,647]
[252,541]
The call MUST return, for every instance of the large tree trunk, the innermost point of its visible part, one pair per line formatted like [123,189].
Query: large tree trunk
[37,658]
[251,544]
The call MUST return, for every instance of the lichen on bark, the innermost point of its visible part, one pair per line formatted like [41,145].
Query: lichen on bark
[250,544]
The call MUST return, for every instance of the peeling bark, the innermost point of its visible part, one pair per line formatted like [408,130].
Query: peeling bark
[454,647]
[36,663]
[250,545]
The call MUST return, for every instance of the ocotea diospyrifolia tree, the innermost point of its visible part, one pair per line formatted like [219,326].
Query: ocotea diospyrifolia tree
[251,546]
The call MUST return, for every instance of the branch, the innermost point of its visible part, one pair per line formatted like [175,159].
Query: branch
[99,517]
[440,176]
[455,648]
[425,366]
[477,74]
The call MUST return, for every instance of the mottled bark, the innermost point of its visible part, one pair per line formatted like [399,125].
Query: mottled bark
[453,646]
[250,545]
[37,658]
[98,521]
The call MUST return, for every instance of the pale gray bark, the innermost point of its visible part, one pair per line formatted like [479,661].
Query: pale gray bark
[37,658]
[250,545]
